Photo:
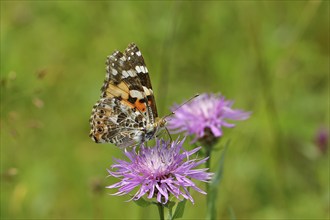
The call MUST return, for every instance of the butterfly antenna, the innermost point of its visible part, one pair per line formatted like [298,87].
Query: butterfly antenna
[173,112]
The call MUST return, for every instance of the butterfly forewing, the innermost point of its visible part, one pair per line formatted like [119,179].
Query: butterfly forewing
[136,59]
[126,112]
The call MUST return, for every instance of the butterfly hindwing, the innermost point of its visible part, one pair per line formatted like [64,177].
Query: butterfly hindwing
[116,123]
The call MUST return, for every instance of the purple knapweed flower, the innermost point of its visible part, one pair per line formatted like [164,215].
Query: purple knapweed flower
[159,172]
[322,139]
[204,117]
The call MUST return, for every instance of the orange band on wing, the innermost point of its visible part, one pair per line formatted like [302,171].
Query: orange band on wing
[140,106]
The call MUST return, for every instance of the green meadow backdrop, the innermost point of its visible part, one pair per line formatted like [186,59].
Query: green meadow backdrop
[270,57]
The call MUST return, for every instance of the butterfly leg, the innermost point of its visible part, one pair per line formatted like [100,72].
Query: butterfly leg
[168,134]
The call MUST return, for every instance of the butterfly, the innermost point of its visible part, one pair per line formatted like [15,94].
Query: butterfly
[126,113]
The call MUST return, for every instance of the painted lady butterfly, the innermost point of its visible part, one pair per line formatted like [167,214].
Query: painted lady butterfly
[126,113]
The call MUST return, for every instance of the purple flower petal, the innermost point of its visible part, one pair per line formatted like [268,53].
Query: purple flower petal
[158,172]
[207,112]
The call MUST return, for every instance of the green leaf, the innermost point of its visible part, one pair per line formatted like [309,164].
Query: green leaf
[170,204]
[179,209]
[142,202]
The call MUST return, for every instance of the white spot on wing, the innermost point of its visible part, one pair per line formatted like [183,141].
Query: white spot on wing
[147,91]
[131,73]
[138,53]
[136,94]
[125,74]
[144,69]
[114,71]
[137,68]
[141,69]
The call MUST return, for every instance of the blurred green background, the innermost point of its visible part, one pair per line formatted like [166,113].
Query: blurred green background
[271,57]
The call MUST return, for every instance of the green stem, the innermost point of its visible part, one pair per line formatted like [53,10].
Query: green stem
[208,189]
[160,211]
[208,165]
